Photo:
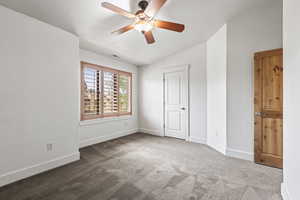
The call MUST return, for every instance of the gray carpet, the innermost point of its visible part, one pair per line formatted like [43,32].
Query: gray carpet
[144,167]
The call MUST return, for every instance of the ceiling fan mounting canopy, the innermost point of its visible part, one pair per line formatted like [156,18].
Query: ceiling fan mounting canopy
[143,4]
[144,19]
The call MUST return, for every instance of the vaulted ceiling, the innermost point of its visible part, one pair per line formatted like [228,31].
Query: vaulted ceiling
[94,24]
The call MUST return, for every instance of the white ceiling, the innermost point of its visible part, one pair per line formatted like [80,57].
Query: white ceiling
[94,24]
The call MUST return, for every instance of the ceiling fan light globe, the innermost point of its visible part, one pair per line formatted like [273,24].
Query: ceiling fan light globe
[143,27]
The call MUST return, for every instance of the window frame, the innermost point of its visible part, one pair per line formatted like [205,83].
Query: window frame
[84,117]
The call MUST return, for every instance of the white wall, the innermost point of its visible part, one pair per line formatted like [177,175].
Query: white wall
[252,31]
[291,41]
[39,95]
[216,90]
[95,131]
[151,92]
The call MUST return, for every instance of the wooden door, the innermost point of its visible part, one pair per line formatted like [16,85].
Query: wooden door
[268,106]
[176,104]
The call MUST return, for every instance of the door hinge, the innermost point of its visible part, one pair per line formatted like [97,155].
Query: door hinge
[164,125]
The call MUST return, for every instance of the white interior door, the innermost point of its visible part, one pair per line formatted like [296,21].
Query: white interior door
[176,104]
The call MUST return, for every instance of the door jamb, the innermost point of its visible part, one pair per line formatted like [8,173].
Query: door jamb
[186,69]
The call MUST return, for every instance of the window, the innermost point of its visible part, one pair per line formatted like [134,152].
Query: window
[105,92]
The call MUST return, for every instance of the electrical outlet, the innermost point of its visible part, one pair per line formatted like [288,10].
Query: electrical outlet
[49,147]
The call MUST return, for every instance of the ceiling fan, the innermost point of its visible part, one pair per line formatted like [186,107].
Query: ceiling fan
[144,19]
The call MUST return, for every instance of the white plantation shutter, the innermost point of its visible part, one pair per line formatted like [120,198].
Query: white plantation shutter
[105,92]
[110,93]
[124,93]
[92,92]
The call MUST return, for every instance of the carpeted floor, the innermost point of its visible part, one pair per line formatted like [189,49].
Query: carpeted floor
[144,167]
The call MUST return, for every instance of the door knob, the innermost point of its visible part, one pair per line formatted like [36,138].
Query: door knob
[258,113]
[182,108]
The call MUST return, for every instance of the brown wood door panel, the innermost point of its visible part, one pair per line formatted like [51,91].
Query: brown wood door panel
[272,83]
[272,137]
[268,106]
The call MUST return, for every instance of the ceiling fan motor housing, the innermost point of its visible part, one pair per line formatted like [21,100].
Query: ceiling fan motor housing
[143,4]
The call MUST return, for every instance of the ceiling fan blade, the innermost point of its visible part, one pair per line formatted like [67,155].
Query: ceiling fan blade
[118,10]
[169,25]
[124,29]
[149,37]
[154,7]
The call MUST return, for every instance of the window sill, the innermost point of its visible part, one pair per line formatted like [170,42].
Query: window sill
[104,120]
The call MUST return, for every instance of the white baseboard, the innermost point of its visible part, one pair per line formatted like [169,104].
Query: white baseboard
[239,154]
[198,140]
[284,192]
[106,137]
[217,147]
[37,169]
[151,132]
